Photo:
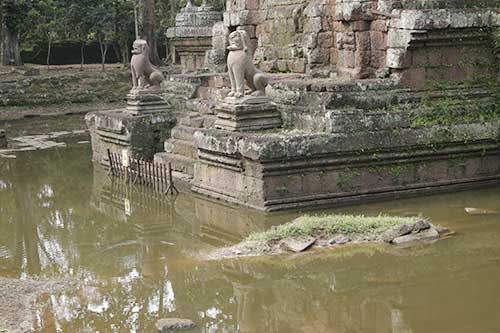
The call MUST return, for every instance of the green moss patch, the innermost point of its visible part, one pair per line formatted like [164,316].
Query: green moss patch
[353,225]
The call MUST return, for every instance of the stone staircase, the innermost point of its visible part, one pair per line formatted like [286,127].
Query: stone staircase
[180,149]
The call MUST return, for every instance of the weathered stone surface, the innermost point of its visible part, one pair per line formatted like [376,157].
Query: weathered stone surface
[191,38]
[339,240]
[142,135]
[298,244]
[421,225]
[147,101]
[426,235]
[402,230]
[174,324]
[247,114]
[273,171]
[216,57]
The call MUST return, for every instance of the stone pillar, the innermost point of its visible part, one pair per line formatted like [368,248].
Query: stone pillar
[361,51]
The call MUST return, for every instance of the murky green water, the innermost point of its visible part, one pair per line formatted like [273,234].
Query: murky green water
[60,217]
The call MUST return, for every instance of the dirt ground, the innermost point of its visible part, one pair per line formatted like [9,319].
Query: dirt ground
[13,86]
[20,299]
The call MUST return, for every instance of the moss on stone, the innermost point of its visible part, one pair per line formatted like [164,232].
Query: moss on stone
[358,225]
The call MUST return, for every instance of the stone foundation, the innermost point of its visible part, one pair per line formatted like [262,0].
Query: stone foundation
[353,142]
[142,135]
[278,172]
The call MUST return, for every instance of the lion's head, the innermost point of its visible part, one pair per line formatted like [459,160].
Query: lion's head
[140,46]
[238,40]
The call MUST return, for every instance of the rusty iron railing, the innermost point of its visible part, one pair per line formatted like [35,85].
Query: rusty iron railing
[157,176]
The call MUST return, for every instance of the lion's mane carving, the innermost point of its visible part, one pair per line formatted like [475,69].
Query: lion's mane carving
[241,68]
[144,74]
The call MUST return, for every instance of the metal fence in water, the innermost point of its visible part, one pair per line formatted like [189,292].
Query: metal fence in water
[157,176]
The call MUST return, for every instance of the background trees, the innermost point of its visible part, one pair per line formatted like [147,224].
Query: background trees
[35,26]
[11,21]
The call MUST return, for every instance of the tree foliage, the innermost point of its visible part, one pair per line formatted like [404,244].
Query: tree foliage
[40,23]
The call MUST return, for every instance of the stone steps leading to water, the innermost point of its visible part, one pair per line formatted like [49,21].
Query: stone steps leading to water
[182,132]
[180,163]
[181,147]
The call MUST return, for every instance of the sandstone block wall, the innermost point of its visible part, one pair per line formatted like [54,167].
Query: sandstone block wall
[288,35]
[448,45]
[370,38]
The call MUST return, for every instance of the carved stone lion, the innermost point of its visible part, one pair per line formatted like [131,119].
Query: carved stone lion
[144,74]
[241,68]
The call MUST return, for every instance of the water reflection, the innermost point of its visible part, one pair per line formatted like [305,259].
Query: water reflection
[133,253]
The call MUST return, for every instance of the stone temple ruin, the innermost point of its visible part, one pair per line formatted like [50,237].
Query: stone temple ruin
[376,99]
[191,37]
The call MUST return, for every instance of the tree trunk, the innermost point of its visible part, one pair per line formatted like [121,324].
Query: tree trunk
[10,52]
[118,53]
[49,50]
[125,54]
[104,50]
[82,56]
[146,27]
[173,9]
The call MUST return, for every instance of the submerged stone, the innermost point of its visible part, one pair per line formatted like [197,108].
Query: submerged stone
[174,324]
[427,235]
[480,211]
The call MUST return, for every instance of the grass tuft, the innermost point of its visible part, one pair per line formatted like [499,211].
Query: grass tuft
[333,224]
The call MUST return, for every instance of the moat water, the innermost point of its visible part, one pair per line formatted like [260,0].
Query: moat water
[135,255]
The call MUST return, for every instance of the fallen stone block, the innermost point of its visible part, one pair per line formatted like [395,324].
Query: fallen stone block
[427,235]
[399,231]
[339,240]
[298,244]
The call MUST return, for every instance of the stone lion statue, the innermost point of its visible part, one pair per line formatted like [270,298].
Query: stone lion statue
[144,74]
[241,68]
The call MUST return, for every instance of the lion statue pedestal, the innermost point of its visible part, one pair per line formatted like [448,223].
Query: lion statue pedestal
[146,101]
[240,112]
